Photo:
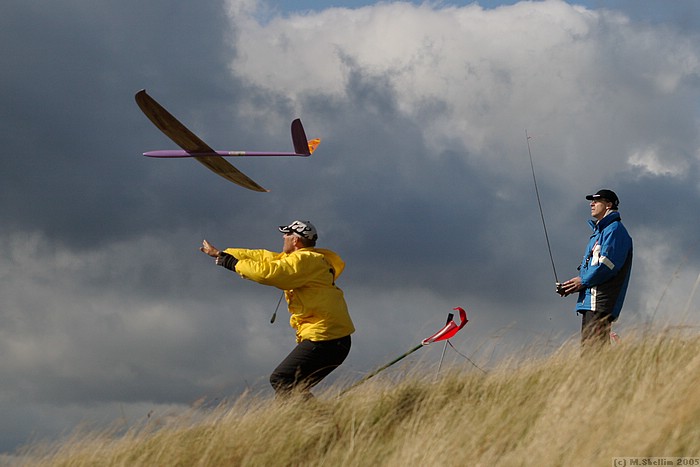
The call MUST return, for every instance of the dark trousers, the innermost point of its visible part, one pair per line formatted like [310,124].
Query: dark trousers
[308,364]
[595,328]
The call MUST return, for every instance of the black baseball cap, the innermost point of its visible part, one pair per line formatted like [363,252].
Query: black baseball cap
[605,194]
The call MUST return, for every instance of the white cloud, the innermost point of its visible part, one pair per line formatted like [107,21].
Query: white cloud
[649,161]
[478,78]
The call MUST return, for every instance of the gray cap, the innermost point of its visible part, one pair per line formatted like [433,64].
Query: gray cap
[303,229]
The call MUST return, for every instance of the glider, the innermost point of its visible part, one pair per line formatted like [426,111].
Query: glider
[193,146]
[448,331]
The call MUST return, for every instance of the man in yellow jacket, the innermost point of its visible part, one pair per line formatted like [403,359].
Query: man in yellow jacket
[318,312]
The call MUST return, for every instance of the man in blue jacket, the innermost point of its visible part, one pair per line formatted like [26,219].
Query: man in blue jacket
[604,272]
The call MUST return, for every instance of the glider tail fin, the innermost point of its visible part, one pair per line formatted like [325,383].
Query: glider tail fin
[301,145]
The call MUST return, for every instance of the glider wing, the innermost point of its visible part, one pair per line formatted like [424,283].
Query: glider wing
[191,143]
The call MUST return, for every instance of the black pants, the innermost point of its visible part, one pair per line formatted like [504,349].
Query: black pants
[308,364]
[595,328]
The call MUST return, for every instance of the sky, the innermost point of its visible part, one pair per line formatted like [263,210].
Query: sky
[422,183]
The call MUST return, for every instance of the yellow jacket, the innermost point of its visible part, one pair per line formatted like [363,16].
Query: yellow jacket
[307,276]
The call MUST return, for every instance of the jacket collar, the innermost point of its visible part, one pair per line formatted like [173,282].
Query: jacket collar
[604,222]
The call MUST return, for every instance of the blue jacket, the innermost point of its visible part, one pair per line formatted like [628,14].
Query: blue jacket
[606,266]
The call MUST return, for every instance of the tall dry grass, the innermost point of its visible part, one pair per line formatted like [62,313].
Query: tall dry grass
[639,398]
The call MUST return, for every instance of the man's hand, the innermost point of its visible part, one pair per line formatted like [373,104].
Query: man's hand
[570,286]
[209,249]
[560,288]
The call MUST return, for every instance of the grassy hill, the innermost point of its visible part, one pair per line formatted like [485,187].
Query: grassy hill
[638,398]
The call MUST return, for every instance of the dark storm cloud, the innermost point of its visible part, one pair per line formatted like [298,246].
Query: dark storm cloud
[73,131]
[93,324]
